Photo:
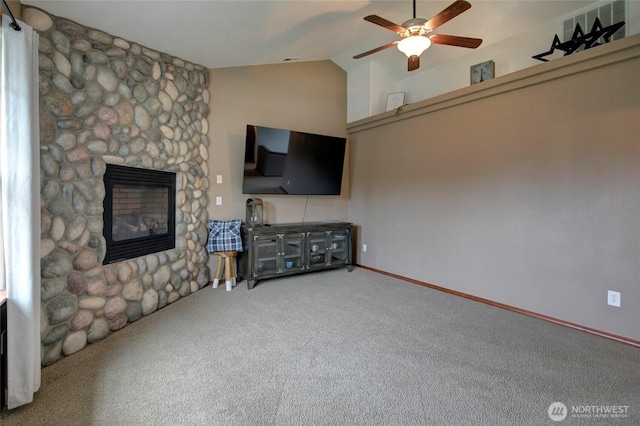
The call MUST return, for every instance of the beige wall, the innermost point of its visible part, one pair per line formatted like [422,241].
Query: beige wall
[14,5]
[306,96]
[524,191]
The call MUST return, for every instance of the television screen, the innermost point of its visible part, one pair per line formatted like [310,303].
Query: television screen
[278,161]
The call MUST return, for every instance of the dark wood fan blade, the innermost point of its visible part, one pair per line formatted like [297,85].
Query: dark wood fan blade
[377,49]
[449,13]
[450,40]
[374,19]
[414,63]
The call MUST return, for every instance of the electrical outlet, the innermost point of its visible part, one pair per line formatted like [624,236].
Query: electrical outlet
[364,247]
[613,298]
[218,178]
[218,201]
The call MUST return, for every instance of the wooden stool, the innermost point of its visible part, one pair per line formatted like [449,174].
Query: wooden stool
[229,270]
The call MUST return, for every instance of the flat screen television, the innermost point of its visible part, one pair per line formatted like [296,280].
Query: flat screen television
[279,161]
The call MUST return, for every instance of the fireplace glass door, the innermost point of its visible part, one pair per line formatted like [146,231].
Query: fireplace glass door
[139,212]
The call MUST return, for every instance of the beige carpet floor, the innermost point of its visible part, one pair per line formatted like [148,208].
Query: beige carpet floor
[336,348]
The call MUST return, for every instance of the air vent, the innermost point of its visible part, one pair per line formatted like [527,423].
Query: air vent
[608,13]
[291,59]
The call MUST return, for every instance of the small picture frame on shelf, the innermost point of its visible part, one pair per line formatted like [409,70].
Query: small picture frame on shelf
[395,100]
[482,72]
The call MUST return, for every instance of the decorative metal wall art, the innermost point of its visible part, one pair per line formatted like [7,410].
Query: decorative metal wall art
[579,38]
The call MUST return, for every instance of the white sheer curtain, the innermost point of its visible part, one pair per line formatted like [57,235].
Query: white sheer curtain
[20,208]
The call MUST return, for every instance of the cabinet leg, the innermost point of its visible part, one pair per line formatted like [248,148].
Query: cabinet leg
[349,268]
[251,283]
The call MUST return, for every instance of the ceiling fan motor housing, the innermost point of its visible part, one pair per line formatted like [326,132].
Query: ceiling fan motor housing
[415,26]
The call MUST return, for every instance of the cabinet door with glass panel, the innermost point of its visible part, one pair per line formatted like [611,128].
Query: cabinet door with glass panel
[317,249]
[291,252]
[338,247]
[277,253]
[265,250]
[327,248]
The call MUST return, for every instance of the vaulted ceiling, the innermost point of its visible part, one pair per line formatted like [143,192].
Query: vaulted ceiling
[219,34]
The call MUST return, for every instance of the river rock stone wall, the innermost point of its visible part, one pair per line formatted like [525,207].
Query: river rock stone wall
[103,100]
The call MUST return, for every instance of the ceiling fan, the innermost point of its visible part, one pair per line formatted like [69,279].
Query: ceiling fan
[416,34]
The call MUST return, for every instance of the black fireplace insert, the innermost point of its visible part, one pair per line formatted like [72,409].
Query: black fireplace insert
[139,212]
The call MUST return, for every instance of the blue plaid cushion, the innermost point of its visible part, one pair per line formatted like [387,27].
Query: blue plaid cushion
[224,235]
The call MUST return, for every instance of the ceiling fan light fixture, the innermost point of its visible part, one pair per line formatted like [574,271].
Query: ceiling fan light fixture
[414,45]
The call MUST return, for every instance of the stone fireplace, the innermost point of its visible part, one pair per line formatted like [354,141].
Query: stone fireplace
[139,212]
[106,103]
